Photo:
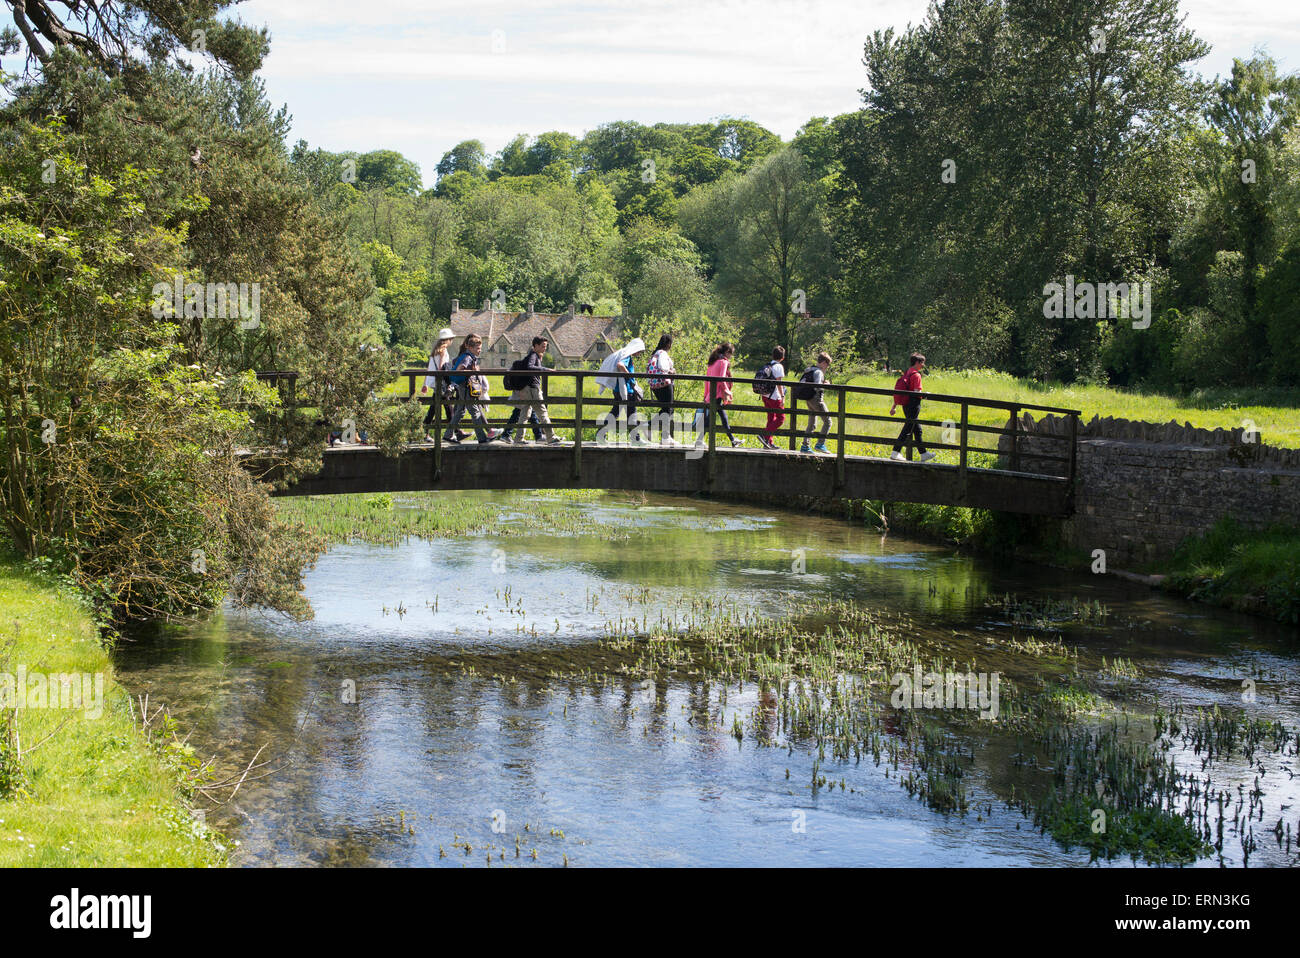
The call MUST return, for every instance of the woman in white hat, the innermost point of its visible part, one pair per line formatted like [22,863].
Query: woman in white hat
[440,359]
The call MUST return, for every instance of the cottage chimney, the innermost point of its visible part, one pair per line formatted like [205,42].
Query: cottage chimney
[455,306]
[486,304]
[530,309]
[573,308]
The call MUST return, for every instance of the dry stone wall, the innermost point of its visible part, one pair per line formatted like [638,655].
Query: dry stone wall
[1143,487]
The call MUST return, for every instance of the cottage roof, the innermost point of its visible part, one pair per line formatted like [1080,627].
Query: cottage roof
[571,335]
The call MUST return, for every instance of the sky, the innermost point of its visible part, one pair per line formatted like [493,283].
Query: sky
[420,77]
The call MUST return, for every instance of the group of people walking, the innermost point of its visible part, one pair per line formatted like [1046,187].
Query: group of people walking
[464,395]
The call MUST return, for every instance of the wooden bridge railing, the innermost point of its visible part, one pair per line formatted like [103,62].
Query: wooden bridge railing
[1060,463]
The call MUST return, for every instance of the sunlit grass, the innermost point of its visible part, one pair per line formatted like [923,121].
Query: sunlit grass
[95,793]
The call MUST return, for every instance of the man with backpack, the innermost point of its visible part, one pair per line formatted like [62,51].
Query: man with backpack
[811,392]
[525,381]
[768,387]
[910,382]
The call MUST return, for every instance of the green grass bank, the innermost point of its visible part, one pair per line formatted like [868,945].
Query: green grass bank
[79,786]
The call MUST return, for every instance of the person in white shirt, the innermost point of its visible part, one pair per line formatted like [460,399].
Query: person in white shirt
[775,400]
[659,379]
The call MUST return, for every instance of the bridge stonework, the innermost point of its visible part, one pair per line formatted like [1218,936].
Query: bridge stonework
[1142,488]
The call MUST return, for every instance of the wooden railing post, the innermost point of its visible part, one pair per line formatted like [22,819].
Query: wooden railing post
[1015,438]
[1074,451]
[438,387]
[715,404]
[577,427]
[839,451]
[794,414]
[962,454]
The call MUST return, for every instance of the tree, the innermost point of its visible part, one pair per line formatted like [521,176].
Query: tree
[117,460]
[123,36]
[468,156]
[1253,112]
[388,170]
[957,184]
[774,241]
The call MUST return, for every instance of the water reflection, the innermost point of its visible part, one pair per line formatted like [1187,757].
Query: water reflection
[454,648]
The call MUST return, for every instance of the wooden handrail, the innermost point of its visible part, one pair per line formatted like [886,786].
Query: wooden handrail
[1015,454]
[789,383]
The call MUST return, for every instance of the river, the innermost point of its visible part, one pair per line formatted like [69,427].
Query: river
[451,703]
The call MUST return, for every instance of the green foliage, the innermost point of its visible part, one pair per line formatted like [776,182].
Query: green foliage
[1279,304]
[768,237]
[125,35]
[138,492]
[956,200]
[1253,569]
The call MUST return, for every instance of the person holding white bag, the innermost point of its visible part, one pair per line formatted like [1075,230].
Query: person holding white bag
[616,375]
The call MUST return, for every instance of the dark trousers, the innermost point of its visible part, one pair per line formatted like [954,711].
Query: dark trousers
[446,413]
[911,429]
[628,407]
[722,418]
[664,395]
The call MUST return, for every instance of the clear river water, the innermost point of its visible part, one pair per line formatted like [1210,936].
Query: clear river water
[430,713]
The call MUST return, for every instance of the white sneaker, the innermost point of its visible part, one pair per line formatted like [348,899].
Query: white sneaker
[669,441]
[927,456]
[898,457]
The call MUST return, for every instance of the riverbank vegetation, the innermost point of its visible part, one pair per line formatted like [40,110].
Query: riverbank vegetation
[1252,570]
[80,786]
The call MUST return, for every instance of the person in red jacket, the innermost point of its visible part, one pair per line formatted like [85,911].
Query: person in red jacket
[910,381]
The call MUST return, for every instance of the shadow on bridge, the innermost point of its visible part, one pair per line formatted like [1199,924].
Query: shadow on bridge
[364,469]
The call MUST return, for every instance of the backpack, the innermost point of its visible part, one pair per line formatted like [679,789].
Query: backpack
[653,379]
[901,389]
[516,382]
[806,389]
[478,387]
[460,380]
[765,381]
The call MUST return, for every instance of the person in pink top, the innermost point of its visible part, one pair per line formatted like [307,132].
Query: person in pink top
[720,366]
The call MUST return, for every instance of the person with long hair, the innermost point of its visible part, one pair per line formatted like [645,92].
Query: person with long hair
[659,379]
[719,366]
[440,358]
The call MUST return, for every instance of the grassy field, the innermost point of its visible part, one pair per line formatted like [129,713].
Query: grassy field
[93,791]
[1275,412]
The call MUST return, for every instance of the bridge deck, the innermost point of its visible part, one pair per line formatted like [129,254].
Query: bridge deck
[363,469]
